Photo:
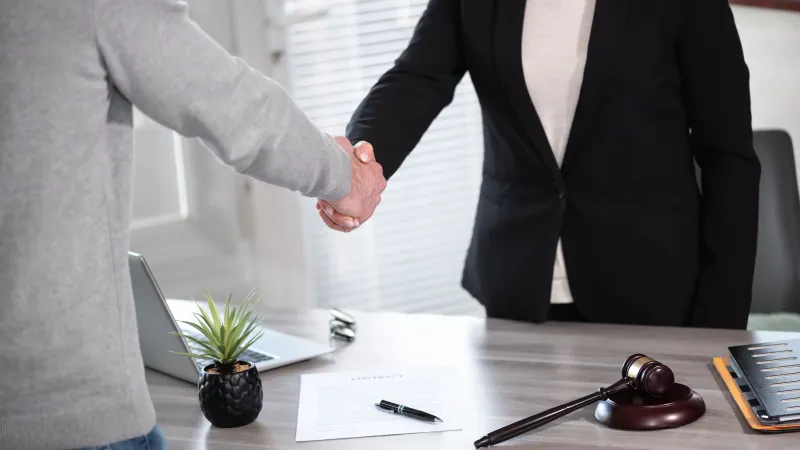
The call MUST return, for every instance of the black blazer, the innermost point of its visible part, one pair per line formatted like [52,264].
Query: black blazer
[665,86]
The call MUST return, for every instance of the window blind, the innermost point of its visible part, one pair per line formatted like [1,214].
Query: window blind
[409,256]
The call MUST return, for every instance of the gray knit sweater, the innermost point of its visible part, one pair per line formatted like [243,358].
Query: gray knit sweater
[69,73]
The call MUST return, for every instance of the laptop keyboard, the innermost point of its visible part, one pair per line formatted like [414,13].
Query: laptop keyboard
[252,356]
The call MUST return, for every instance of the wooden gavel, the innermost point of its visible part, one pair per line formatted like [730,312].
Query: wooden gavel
[638,373]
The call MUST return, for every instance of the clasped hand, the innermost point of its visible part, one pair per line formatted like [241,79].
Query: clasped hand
[366,186]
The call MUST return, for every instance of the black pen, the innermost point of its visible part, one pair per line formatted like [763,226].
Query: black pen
[406,411]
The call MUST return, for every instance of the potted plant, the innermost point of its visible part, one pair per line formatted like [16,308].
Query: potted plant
[229,389]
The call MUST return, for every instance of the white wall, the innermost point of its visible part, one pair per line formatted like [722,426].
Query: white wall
[771,41]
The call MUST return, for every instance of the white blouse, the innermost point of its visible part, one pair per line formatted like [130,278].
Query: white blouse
[555,39]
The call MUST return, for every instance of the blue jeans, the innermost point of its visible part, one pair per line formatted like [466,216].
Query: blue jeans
[154,440]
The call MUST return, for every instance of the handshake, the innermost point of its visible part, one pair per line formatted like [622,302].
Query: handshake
[366,185]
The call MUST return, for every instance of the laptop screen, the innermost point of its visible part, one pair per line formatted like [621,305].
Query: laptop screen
[155,322]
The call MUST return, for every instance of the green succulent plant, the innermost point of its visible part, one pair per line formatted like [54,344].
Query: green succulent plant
[224,337]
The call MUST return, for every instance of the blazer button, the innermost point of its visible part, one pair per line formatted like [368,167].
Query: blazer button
[559,192]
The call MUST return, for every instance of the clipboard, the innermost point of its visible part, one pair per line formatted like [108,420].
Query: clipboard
[722,365]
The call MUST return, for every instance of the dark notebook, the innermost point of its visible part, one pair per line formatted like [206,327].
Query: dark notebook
[768,374]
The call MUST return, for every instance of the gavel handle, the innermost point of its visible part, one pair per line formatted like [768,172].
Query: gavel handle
[525,425]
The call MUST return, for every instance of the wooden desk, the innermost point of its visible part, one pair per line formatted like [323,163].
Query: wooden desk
[513,370]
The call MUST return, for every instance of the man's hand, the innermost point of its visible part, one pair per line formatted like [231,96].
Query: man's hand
[365,190]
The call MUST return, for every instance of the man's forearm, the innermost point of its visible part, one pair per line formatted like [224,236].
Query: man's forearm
[170,69]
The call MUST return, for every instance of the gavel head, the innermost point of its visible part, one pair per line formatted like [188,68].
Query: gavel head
[648,375]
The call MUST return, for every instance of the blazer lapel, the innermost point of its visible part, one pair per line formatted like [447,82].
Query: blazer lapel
[609,18]
[509,16]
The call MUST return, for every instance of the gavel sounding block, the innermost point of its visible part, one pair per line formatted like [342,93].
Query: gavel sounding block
[632,410]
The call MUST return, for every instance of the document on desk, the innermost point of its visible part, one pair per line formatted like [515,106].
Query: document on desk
[342,405]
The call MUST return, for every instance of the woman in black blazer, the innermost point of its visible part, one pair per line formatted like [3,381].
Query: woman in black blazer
[665,86]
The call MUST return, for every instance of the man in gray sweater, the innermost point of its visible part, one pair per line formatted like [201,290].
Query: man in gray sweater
[69,74]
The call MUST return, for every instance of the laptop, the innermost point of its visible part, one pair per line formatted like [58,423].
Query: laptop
[157,317]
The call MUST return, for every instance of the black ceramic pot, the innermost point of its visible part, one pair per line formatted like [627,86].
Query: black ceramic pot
[230,399]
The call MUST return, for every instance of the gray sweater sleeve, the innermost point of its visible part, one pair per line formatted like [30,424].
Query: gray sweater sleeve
[164,64]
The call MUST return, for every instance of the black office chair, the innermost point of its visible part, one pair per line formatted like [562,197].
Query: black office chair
[776,286]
